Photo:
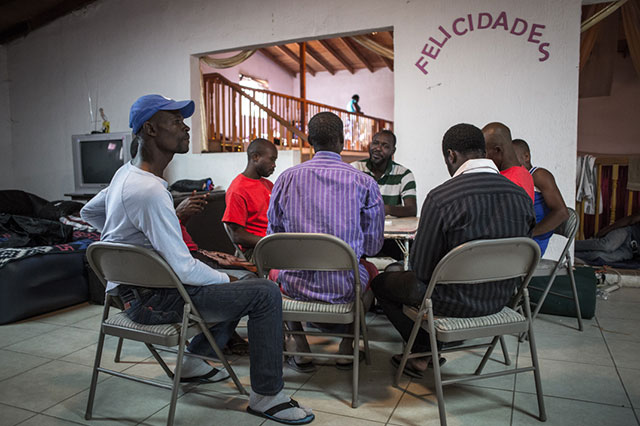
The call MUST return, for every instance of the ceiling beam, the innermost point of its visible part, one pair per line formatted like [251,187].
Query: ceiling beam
[351,45]
[295,57]
[318,58]
[277,61]
[336,54]
[388,62]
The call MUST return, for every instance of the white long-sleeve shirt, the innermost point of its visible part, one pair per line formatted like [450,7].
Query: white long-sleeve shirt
[137,209]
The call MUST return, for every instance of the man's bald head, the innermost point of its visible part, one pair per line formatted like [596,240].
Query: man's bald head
[260,146]
[262,155]
[499,145]
[522,152]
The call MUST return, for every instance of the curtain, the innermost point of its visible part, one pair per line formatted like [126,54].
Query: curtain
[373,46]
[631,23]
[228,62]
[588,38]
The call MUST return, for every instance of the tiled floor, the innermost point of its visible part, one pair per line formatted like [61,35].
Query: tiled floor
[589,378]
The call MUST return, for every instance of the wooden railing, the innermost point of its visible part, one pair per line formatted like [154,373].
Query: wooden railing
[611,190]
[235,115]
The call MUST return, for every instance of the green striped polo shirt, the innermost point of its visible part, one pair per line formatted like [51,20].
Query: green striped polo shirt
[396,184]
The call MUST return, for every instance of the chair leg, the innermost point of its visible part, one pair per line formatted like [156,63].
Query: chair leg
[574,289]
[534,360]
[544,294]
[407,347]
[118,350]
[505,352]
[435,358]
[487,354]
[365,337]
[178,370]
[356,359]
[222,359]
[94,377]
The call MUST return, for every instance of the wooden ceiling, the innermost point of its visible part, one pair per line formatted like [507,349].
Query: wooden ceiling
[334,54]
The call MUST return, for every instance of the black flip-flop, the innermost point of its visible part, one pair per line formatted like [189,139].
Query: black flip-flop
[271,412]
[303,367]
[206,378]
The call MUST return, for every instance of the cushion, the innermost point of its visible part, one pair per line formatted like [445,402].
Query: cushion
[505,316]
[122,320]
[328,308]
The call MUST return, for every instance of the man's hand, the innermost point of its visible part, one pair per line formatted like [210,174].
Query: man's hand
[232,278]
[190,206]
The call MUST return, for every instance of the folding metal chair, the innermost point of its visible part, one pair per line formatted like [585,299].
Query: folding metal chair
[238,253]
[137,266]
[563,266]
[317,252]
[472,263]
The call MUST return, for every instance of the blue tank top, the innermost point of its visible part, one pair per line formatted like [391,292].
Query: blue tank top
[541,210]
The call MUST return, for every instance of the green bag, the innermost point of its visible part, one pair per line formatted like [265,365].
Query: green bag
[586,285]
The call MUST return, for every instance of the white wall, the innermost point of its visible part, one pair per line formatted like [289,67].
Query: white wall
[6,157]
[375,90]
[117,50]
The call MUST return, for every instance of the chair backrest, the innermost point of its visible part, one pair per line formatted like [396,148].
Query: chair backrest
[131,265]
[305,252]
[568,229]
[481,261]
[238,252]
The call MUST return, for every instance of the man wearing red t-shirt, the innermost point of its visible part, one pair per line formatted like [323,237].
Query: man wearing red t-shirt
[248,197]
[497,137]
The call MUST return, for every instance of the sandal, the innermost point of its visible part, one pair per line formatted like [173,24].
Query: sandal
[213,376]
[271,412]
[303,367]
[348,365]
[410,370]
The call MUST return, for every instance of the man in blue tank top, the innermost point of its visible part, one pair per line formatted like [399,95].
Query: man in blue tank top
[548,204]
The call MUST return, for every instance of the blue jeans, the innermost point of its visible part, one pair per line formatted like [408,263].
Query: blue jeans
[225,304]
[613,247]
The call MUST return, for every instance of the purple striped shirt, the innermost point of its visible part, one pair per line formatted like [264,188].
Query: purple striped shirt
[328,196]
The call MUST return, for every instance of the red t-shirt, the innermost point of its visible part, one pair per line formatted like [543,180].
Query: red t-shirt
[247,204]
[521,177]
[191,245]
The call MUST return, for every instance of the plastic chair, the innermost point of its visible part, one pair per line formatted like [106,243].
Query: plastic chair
[563,266]
[137,266]
[318,252]
[472,263]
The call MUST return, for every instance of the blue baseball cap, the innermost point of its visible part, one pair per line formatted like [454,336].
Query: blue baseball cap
[146,106]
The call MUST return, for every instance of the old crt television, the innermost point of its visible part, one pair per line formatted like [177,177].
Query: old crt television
[96,158]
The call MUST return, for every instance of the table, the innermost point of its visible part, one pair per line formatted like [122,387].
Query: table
[402,230]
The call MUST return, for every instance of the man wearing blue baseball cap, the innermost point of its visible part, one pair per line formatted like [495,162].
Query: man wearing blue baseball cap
[137,209]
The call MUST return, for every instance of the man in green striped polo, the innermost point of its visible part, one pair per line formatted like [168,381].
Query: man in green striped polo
[396,182]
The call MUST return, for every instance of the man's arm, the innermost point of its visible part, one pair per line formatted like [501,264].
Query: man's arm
[241,236]
[410,208]
[558,212]
[372,221]
[408,195]
[190,206]
[620,223]
[94,212]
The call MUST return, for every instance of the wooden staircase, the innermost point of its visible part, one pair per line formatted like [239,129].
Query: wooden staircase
[235,115]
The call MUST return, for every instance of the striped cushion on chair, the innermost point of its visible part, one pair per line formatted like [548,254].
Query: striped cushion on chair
[328,308]
[505,316]
[122,320]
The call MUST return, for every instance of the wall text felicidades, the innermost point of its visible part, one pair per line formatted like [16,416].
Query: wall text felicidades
[482,21]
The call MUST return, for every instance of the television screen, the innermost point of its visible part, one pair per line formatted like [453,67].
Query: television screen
[100,159]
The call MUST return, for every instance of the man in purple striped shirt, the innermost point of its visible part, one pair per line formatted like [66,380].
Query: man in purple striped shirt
[329,196]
